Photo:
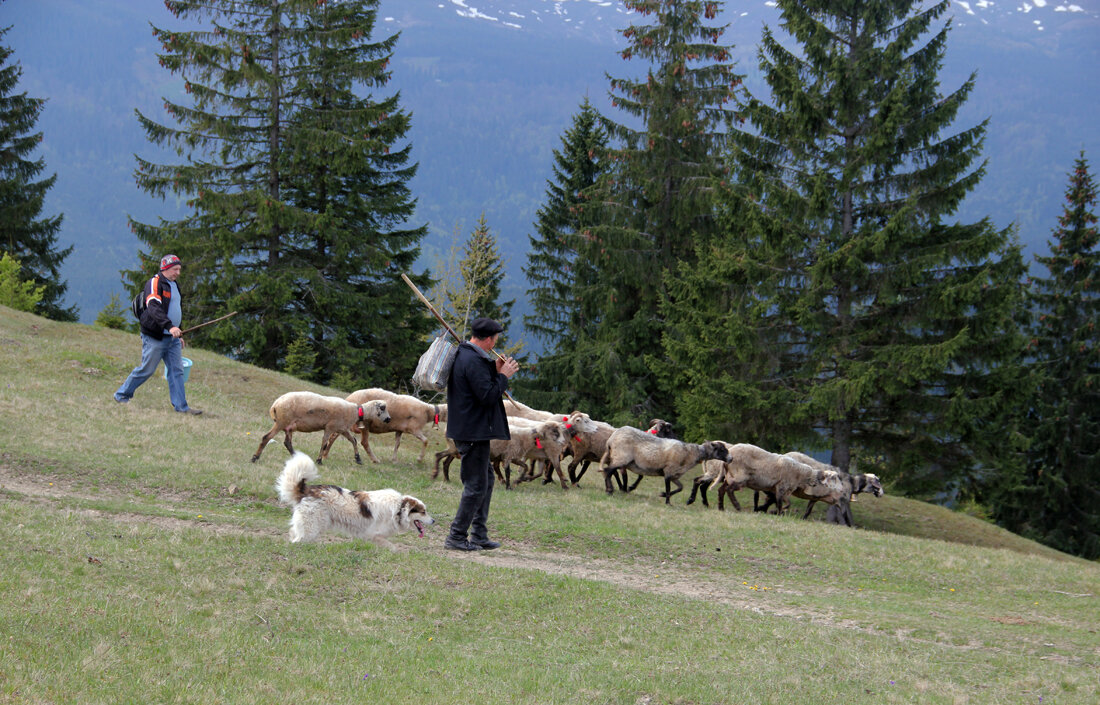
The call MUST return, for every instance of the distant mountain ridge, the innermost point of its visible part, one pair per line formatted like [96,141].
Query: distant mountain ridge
[493,84]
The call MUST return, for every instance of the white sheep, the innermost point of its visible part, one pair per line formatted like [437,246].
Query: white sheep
[407,415]
[308,412]
[575,423]
[544,442]
[646,454]
[757,469]
[531,440]
[514,408]
[590,446]
[840,512]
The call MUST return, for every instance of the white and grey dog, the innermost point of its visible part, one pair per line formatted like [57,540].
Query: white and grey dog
[371,515]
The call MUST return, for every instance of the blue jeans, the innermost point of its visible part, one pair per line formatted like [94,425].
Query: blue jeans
[153,351]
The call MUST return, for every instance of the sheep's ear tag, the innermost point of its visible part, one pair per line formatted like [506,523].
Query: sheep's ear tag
[653,431]
[538,443]
[566,420]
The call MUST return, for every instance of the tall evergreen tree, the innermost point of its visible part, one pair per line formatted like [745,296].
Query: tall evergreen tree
[298,183]
[483,267]
[1056,498]
[469,287]
[841,303]
[560,316]
[656,200]
[28,237]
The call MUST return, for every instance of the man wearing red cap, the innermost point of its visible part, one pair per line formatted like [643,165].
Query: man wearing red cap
[161,337]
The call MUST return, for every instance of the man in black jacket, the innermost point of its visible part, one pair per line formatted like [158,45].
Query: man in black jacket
[161,337]
[475,415]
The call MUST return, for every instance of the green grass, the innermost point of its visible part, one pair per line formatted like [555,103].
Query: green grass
[144,560]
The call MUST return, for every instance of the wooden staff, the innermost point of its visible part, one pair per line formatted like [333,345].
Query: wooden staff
[435,313]
[221,318]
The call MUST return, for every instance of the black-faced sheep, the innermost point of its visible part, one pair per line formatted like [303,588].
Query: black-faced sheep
[646,454]
[840,511]
[407,415]
[308,412]
[590,446]
[758,469]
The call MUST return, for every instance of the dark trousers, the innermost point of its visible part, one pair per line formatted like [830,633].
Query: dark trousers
[477,490]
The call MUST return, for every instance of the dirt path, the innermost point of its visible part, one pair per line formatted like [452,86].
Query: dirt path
[661,579]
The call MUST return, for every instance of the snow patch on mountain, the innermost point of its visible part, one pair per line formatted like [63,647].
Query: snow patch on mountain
[609,16]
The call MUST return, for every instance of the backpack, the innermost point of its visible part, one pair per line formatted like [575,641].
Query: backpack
[434,366]
[137,304]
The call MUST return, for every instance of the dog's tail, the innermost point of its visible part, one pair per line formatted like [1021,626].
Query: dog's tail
[291,484]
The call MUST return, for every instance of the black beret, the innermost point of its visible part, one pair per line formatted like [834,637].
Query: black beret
[485,327]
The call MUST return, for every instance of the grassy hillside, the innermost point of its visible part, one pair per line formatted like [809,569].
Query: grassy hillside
[145,560]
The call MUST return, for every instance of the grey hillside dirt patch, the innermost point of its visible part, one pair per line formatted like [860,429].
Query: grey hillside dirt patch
[663,579]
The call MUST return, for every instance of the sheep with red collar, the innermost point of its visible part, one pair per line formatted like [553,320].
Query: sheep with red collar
[407,415]
[545,441]
[308,412]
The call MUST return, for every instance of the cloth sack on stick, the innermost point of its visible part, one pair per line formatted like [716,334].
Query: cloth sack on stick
[434,367]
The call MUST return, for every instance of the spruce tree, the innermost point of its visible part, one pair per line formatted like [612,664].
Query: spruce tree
[655,201]
[469,287]
[560,316]
[1056,499]
[298,176]
[842,308]
[28,237]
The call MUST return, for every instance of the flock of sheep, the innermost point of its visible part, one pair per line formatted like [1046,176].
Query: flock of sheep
[543,439]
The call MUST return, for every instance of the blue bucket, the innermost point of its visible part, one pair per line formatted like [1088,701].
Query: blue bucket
[186,369]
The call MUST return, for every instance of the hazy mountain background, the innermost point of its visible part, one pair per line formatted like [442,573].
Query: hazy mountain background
[492,85]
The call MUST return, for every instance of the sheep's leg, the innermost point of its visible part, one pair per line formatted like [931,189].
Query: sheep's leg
[731,493]
[287,433]
[697,485]
[506,477]
[636,482]
[354,446]
[768,502]
[584,468]
[669,481]
[447,466]
[809,508]
[439,456]
[364,438]
[782,499]
[423,439]
[396,444]
[547,473]
[557,468]
[608,472]
[263,442]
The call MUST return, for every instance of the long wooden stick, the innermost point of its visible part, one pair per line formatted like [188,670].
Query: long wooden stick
[221,318]
[424,300]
